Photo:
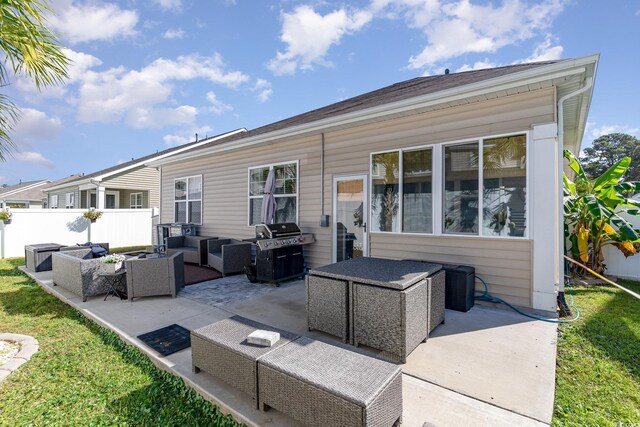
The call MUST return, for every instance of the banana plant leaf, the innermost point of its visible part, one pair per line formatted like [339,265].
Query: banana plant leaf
[612,175]
[574,164]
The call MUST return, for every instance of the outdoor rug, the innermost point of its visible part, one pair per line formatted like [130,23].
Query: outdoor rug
[167,340]
[196,274]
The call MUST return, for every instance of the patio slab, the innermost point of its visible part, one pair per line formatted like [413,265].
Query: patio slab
[486,367]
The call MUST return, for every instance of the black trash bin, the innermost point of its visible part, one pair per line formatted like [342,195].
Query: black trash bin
[459,285]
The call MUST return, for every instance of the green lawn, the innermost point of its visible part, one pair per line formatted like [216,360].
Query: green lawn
[84,374]
[598,366]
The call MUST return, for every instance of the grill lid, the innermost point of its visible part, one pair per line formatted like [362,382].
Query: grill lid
[272,231]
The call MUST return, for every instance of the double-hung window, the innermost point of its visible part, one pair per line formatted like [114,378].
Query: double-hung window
[401,193]
[188,199]
[54,201]
[485,185]
[286,191]
[135,200]
[69,200]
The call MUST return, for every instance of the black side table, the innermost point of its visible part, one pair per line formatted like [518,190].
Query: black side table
[115,280]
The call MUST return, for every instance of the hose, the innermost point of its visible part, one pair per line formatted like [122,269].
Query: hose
[486,296]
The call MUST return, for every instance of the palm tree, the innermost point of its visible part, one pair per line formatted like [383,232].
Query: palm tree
[30,47]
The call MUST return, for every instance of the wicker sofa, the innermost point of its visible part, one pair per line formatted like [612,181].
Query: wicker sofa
[77,271]
[193,247]
[154,275]
[75,247]
[229,255]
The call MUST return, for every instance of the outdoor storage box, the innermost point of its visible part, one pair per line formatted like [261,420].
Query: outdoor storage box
[38,257]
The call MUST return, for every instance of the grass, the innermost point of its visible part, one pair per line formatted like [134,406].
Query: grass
[598,365]
[84,374]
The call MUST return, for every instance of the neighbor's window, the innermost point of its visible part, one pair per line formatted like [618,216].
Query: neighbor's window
[54,201]
[69,200]
[461,188]
[504,184]
[188,199]
[135,200]
[286,192]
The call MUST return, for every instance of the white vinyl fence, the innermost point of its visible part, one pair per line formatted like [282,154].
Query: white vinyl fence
[118,227]
[617,264]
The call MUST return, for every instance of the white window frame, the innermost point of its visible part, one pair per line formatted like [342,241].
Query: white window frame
[401,190]
[438,182]
[271,166]
[187,200]
[69,200]
[133,205]
[54,201]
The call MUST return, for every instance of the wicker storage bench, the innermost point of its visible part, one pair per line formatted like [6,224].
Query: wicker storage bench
[38,257]
[322,385]
[328,305]
[221,349]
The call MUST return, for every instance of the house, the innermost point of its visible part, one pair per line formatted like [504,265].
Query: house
[26,194]
[462,168]
[130,185]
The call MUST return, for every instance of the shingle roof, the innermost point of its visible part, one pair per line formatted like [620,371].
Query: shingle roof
[64,180]
[10,188]
[393,93]
[14,192]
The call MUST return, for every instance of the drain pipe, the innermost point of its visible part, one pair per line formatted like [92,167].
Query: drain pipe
[324,219]
[562,302]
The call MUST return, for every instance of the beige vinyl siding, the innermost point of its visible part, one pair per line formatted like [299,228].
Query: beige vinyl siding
[62,194]
[141,179]
[347,152]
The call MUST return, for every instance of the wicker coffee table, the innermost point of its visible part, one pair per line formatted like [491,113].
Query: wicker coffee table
[221,349]
[323,385]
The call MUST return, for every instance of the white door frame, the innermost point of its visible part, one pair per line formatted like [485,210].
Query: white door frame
[365,213]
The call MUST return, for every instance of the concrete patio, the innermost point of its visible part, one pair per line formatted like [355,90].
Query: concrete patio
[486,367]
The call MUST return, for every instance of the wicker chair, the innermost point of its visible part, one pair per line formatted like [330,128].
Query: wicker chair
[194,248]
[229,255]
[77,271]
[154,275]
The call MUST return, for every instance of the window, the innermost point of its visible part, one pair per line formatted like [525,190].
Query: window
[69,200]
[461,189]
[188,199]
[401,195]
[286,192]
[54,201]
[135,200]
[504,186]
[480,188]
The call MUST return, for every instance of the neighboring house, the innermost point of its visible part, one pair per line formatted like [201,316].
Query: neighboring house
[130,185]
[23,195]
[462,168]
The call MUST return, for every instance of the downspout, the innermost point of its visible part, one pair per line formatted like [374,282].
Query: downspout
[324,219]
[562,302]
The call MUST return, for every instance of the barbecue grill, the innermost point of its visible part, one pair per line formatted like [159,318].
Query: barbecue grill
[279,254]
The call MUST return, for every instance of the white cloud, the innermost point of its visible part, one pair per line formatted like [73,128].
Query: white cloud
[174,5]
[309,35]
[173,140]
[92,21]
[545,52]
[118,93]
[459,28]
[174,33]
[595,131]
[35,125]
[263,87]
[217,106]
[33,157]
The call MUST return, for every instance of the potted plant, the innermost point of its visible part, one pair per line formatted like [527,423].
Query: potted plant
[5,216]
[112,263]
[92,214]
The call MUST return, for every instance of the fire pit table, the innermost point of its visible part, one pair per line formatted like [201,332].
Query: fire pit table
[385,304]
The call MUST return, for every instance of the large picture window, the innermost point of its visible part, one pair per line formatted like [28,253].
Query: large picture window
[188,199]
[461,189]
[286,192]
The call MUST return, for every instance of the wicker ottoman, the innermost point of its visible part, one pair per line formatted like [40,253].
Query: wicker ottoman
[322,385]
[328,305]
[38,257]
[221,349]
[437,292]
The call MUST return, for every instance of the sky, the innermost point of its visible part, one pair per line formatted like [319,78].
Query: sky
[147,75]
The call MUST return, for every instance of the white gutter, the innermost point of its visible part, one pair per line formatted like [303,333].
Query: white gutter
[561,69]
[560,231]
[145,162]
